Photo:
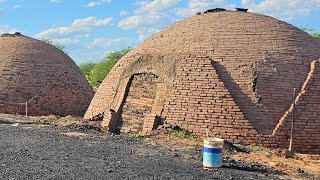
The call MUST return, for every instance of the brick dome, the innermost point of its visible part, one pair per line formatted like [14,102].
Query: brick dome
[47,79]
[231,72]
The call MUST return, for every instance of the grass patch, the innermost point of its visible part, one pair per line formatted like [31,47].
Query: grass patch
[180,133]
[183,133]
[49,118]
[257,149]
[134,136]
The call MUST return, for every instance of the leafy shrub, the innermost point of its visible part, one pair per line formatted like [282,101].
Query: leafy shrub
[96,72]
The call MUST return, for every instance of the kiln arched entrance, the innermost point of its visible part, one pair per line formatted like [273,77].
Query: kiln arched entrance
[142,104]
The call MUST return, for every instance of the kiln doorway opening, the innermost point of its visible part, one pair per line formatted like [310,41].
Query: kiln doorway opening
[142,104]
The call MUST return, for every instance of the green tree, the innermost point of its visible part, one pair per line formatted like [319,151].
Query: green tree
[86,69]
[96,72]
[313,33]
[316,35]
[57,45]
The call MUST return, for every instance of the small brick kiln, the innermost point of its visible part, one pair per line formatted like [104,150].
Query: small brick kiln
[232,72]
[47,79]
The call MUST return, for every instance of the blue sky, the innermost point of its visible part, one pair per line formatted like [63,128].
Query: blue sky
[91,28]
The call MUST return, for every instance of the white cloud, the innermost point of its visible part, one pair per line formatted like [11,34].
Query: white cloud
[91,21]
[247,3]
[146,24]
[79,36]
[195,6]
[2,1]
[2,11]
[66,41]
[98,3]
[144,33]
[57,31]
[142,3]
[102,42]
[93,4]
[7,29]
[156,5]
[55,1]
[124,13]
[78,25]
[282,9]
[145,20]
[17,6]
[150,17]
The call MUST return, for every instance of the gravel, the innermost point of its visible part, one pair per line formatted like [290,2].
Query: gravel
[32,152]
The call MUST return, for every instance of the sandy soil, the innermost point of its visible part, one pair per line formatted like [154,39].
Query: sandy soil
[75,134]
[297,166]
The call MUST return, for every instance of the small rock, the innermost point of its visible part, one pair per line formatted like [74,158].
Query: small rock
[300,170]
[110,170]
[176,155]
[160,127]
[176,127]
[15,124]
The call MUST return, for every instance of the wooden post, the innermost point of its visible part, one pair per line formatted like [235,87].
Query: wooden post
[26,108]
[292,122]
[290,153]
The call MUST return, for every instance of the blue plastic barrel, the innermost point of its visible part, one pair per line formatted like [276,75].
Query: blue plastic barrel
[212,152]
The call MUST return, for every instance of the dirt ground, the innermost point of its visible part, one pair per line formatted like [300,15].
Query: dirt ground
[301,166]
[267,163]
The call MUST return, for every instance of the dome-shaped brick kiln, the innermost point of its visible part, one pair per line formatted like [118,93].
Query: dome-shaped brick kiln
[231,72]
[37,73]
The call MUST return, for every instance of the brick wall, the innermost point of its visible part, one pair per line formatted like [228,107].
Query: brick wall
[306,137]
[230,72]
[199,100]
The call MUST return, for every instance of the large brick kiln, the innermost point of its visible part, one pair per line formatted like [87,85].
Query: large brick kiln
[232,72]
[47,79]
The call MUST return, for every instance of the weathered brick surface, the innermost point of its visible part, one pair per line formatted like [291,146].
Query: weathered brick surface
[204,102]
[230,72]
[306,135]
[35,72]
